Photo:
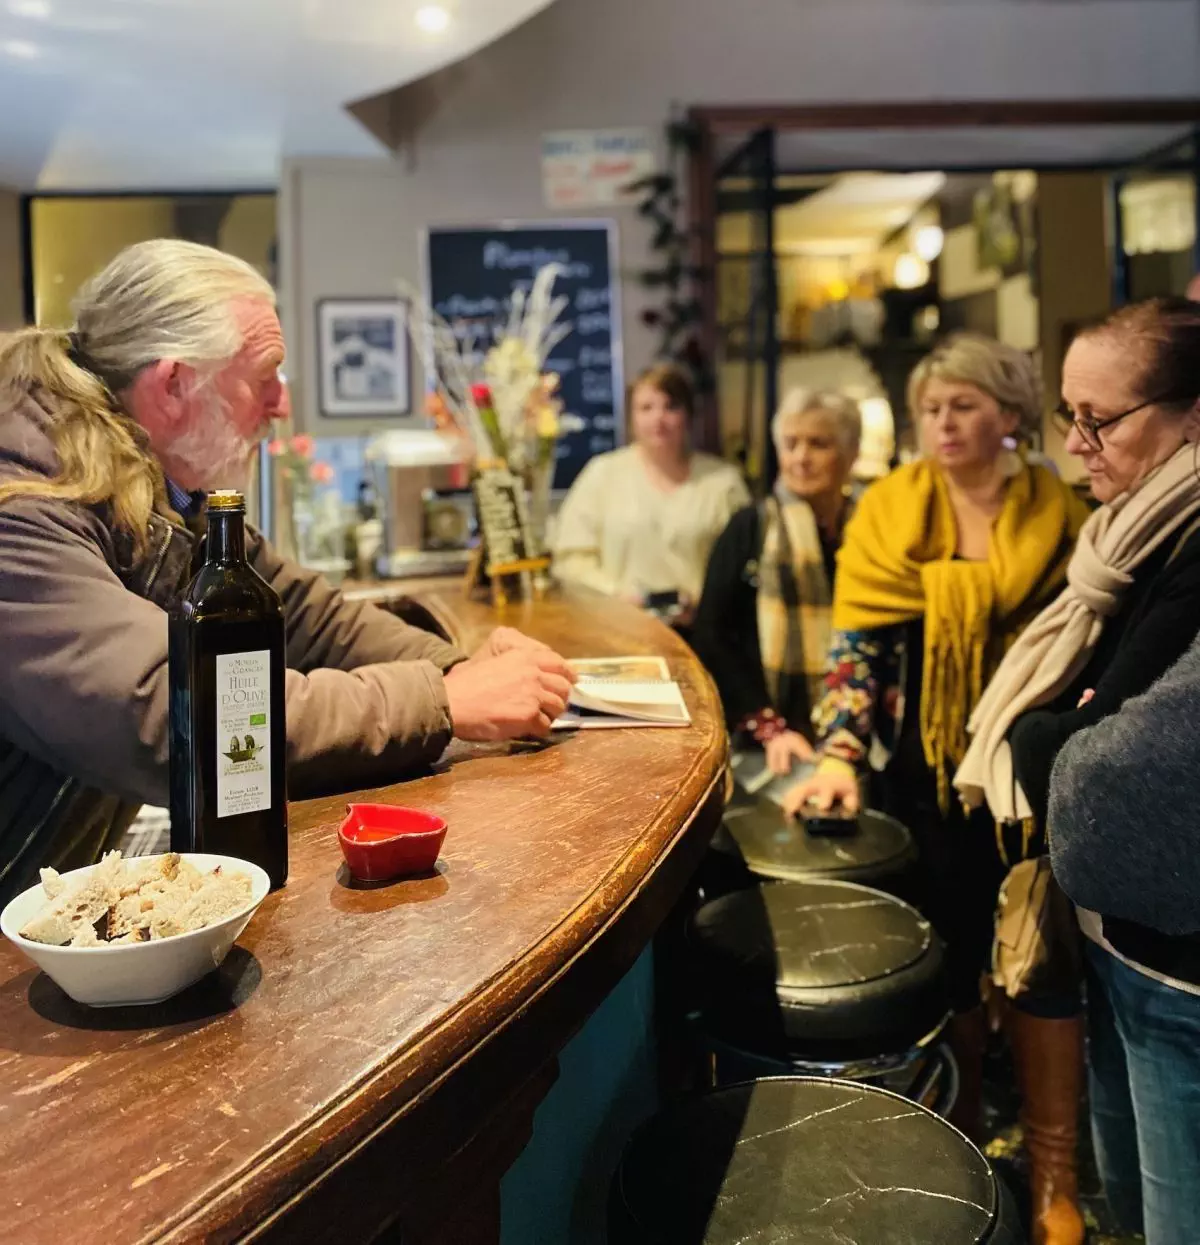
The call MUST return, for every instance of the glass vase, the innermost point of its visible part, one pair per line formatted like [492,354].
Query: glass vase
[541,480]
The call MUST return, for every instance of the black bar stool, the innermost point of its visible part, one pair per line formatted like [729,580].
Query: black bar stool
[795,1159]
[823,978]
[879,852]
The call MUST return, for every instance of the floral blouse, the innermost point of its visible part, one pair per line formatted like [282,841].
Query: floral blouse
[863,703]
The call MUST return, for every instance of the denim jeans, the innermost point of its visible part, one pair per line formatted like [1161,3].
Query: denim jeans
[1144,1067]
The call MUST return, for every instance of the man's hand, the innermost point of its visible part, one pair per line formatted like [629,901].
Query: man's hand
[518,693]
[505,640]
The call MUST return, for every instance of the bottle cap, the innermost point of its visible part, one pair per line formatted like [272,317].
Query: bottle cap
[226,499]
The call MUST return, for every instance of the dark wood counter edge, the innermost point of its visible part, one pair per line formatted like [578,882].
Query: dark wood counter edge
[444,1089]
[366,1178]
[525,1015]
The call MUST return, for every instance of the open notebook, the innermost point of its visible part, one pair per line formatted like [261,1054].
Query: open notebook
[624,691]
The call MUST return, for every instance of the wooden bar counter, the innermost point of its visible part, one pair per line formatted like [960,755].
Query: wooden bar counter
[367,1062]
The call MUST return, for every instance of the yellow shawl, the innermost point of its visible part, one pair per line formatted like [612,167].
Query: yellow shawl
[898,564]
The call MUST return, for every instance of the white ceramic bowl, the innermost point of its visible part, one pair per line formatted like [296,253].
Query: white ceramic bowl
[140,972]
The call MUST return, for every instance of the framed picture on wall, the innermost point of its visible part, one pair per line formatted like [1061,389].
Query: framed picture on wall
[362,357]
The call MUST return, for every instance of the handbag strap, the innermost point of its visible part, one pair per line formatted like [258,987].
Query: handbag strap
[1183,538]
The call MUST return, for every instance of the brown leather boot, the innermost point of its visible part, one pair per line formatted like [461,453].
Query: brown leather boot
[968,1035]
[1049,1060]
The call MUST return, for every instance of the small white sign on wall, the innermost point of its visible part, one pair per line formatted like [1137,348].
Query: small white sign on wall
[594,168]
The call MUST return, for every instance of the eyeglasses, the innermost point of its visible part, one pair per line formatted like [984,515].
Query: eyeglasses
[1088,426]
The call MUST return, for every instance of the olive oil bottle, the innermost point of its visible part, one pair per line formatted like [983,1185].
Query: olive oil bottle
[228,732]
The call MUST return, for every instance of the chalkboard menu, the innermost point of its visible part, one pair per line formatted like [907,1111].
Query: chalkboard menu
[470,277]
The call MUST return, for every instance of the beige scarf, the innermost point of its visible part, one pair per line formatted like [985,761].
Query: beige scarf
[1056,646]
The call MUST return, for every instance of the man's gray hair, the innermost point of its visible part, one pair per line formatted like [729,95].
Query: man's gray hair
[843,412]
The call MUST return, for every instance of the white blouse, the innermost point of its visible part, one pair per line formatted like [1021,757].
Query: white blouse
[619,533]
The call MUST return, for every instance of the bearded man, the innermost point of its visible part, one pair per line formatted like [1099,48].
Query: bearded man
[110,437]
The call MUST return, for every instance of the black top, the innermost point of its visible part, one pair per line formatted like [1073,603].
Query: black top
[1157,623]
[1158,620]
[725,632]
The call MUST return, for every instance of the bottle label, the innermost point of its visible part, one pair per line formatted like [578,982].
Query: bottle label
[243,733]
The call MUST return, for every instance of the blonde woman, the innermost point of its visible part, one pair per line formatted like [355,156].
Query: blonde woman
[762,626]
[943,564]
[641,521]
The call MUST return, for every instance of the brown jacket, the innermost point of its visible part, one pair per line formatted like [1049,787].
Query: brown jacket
[83,672]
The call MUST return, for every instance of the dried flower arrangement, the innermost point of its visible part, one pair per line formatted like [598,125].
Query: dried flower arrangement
[501,398]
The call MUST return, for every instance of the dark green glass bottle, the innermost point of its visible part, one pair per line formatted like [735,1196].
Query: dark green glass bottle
[228,730]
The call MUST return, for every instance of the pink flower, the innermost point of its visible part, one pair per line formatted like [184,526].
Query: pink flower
[322,473]
[302,446]
[481,395]
[275,448]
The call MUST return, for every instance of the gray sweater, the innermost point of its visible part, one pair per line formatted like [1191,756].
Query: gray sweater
[1125,808]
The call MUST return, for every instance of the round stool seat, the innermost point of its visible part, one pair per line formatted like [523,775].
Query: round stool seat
[779,849]
[818,971]
[799,1159]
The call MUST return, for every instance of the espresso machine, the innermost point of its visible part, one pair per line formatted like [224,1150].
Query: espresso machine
[422,482]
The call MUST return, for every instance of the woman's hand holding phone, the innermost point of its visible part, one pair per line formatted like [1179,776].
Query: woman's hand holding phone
[824,792]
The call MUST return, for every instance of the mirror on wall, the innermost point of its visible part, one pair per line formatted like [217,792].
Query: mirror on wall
[73,236]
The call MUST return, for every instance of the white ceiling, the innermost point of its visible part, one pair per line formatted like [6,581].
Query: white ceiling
[207,94]
[848,216]
[855,213]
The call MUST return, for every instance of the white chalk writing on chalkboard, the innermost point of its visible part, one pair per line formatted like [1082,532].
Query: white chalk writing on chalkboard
[593,322]
[501,255]
[456,306]
[590,300]
[597,387]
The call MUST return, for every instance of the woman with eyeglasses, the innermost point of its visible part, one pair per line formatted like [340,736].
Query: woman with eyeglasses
[943,564]
[1131,609]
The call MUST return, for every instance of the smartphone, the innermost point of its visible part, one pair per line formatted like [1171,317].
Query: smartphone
[662,600]
[829,824]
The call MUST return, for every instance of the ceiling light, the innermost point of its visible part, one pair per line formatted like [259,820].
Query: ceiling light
[433,18]
[20,50]
[928,242]
[38,9]
[911,272]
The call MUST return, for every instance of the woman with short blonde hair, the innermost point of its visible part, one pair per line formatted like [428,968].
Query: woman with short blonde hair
[1003,372]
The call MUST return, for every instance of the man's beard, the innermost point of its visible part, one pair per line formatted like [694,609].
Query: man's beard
[217,454]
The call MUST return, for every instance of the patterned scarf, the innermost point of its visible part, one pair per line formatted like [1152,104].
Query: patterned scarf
[794,606]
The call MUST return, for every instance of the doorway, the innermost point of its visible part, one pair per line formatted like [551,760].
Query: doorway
[838,243]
